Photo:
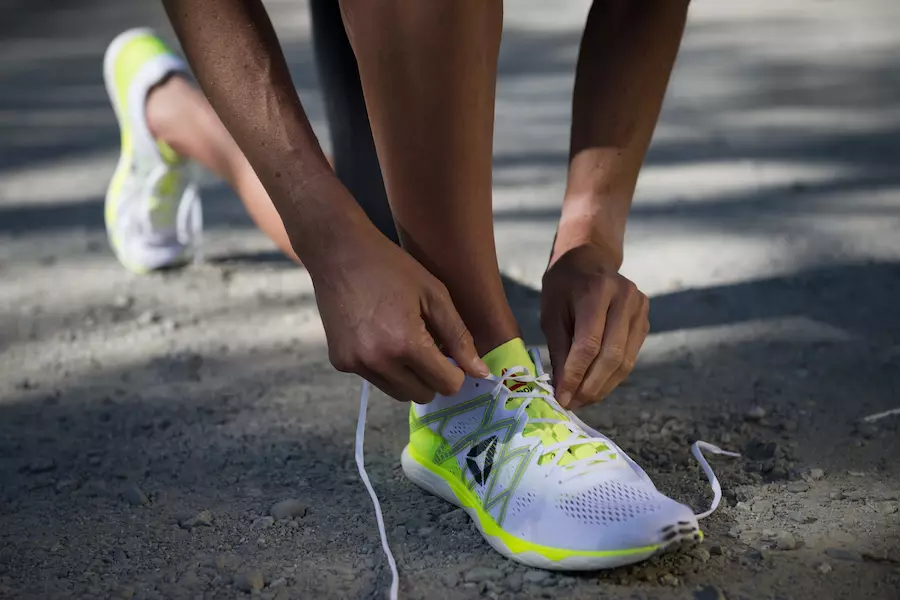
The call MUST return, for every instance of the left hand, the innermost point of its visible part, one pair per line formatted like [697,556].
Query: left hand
[595,321]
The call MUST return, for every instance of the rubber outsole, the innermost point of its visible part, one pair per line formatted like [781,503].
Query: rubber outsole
[674,537]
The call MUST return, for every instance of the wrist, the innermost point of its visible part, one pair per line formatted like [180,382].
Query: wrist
[593,223]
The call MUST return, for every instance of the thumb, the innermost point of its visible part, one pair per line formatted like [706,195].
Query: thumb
[453,335]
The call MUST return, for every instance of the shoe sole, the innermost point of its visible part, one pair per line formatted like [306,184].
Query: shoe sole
[674,537]
[110,205]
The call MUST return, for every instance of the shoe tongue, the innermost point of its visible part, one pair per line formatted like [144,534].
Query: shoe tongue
[514,354]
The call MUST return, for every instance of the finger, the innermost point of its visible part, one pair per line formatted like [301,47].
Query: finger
[609,358]
[640,327]
[401,384]
[452,333]
[433,368]
[559,340]
[586,344]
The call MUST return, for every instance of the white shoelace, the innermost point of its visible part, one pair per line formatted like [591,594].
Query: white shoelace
[522,375]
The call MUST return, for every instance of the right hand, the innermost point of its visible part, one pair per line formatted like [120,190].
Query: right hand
[385,316]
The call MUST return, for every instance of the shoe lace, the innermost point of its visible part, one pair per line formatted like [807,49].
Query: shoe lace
[189,214]
[582,435]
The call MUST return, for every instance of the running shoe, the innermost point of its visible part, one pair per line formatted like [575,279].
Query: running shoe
[543,488]
[152,210]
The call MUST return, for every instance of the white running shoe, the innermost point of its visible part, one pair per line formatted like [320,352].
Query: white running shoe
[153,213]
[543,488]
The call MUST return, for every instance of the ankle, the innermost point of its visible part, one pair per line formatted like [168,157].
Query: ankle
[166,105]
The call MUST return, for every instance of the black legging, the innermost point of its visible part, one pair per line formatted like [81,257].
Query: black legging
[355,160]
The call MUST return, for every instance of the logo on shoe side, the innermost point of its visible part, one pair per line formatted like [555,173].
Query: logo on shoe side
[481,458]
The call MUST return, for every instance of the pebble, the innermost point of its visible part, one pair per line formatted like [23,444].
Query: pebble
[294,524]
[280,582]
[755,414]
[479,574]
[854,495]
[450,579]
[134,496]
[669,579]
[288,509]
[762,506]
[796,487]
[701,554]
[148,318]
[535,576]
[454,516]
[824,568]
[41,465]
[785,541]
[816,474]
[248,581]
[122,302]
[842,554]
[800,517]
[887,508]
[201,519]
[709,592]
[190,579]
[514,582]
[716,550]
[262,523]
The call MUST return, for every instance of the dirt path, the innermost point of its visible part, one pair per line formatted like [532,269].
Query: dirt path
[148,425]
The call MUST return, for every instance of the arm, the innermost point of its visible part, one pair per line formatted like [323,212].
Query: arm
[378,305]
[595,319]
[235,55]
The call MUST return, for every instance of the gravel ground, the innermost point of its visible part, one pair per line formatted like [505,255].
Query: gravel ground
[183,435]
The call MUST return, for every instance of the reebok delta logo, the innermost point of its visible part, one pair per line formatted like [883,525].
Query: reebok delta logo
[481,458]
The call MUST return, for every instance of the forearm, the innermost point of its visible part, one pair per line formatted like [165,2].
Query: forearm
[626,57]
[237,60]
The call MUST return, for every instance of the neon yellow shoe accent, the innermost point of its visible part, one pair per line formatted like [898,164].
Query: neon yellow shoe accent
[487,524]
[511,354]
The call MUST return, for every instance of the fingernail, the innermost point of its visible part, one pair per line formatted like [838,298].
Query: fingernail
[481,368]
[564,399]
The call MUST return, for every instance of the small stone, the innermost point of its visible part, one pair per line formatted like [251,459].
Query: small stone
[566,582]
[288,509]
[762,506]
[824,568]
[856,473]
[742,506]
[785,541]
[67,485]
[535,576]
[425,531]
[277,583]
[41,465]
[709,592]
[514,582]
[134,496]
[841,554]
[122,302]
[716,550]
[262,523]
[454,516]
[479,574]
[796,487]
[249,581]
[800,517]
[701,554]
[294,524]
[450,579]
[201,519]
[886,508]
[755,414]
[735,532]
[148,318]
[669,579]
[853,495]
[816,474]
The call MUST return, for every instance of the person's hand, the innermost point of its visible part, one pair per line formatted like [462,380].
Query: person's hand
[385,316]
[595,321]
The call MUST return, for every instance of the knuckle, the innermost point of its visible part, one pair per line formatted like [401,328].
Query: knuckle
[612,354]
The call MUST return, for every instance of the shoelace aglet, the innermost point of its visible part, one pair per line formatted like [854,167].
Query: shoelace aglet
[696,448]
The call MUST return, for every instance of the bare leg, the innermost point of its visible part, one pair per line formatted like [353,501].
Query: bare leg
[179,114]
[428,71]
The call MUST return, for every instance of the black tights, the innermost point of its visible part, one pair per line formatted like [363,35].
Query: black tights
[354,157]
